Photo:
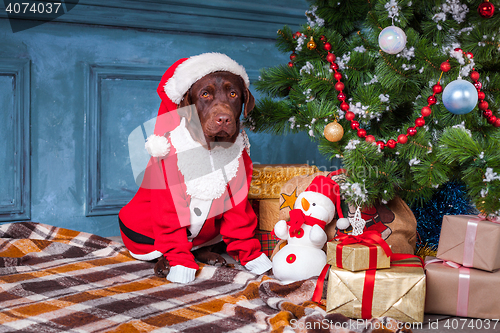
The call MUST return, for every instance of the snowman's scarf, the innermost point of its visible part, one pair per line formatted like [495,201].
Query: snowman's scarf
[298,218]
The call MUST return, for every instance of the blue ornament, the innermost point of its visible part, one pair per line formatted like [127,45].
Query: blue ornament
[460,97]
[392,40]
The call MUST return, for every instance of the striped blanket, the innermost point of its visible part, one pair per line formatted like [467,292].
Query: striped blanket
[59,280]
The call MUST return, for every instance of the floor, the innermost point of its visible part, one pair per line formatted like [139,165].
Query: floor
[438,323]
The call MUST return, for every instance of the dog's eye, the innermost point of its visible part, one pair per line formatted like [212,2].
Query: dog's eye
[205,94]
[232,94]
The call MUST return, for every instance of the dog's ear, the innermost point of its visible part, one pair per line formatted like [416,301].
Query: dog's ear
[249,102]
[186,101]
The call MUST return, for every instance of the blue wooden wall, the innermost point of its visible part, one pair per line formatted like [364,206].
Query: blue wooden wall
[72,90]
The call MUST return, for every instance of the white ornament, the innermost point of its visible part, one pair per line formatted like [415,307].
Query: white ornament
[358,223]
[392,40]
[157,146]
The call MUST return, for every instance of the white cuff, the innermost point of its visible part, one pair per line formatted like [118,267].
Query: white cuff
[181,274]
[259,265]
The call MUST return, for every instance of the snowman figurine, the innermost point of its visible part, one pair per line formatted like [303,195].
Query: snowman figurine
[303,256]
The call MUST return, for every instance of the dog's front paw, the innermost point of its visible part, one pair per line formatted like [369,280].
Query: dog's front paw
[217,260]
[162,267]
[206,256]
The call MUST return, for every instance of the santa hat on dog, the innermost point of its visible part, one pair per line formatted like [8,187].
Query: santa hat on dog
[176,82]
[330,189]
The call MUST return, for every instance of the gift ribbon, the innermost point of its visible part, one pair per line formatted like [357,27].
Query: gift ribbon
[470,237]
[369,238]
[463,285]
[318,290]
[368,284]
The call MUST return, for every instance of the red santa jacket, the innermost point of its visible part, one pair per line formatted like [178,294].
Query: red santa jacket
[192,198]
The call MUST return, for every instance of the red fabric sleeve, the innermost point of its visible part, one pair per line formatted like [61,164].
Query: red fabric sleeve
[170,215]
[239,222]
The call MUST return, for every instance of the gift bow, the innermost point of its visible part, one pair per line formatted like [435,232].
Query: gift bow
[491,218]
[368,237]
[463,284]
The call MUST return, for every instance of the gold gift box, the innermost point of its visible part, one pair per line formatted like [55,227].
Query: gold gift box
[356,257]
[399,292]
[267,179]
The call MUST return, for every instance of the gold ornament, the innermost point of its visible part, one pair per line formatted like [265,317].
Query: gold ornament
[311,45]
[334,132]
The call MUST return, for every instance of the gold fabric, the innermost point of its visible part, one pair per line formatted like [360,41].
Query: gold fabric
[267,179]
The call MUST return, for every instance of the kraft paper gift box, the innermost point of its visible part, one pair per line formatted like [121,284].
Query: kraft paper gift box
[470,241]
[465,292]
[355,257]
[265,189]
[398,292]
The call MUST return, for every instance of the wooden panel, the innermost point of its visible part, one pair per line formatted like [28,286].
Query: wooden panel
[15,139]
[219,17]
[120,99]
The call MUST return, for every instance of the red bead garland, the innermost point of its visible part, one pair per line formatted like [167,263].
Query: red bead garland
[420,122]
[391,143]
[425,111]
[482,104]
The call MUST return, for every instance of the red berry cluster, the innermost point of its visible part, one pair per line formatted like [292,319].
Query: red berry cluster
[425,111]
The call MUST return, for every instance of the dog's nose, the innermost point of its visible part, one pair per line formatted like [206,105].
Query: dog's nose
[223,119]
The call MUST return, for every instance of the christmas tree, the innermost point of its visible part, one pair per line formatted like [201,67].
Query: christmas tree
[405,92]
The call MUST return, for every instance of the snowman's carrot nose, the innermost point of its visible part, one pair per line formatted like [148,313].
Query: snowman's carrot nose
[305,204]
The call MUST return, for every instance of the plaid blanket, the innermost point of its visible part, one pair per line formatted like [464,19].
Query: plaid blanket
[59,280]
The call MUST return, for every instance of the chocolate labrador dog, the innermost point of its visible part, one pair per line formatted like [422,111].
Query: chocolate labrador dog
[218,99]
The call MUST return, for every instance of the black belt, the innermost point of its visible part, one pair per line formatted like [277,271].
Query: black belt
[135,236]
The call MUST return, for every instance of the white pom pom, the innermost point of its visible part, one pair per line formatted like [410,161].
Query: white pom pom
[157,146]
[343,223]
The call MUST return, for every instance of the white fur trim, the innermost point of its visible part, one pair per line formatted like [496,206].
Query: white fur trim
[246,141]
[196,67]
[259,265]
[181,274]
[148,256]
[199,184]
[343,223]
[157,146]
